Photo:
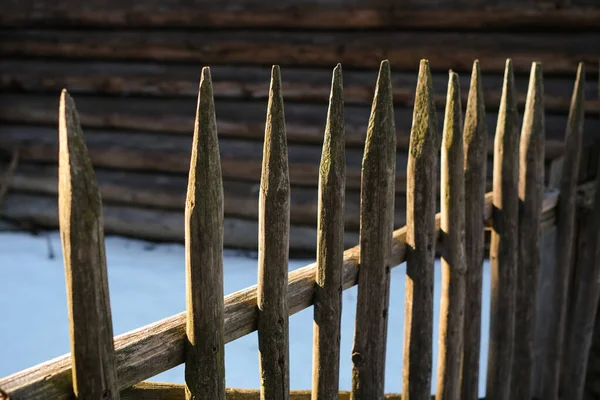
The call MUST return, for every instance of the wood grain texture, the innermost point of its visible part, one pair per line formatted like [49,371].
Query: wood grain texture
[302,14]
[565,240]
[205,347]
[376,227]
[504,244]
[157,347]
[130,151]
[241,82]
[330,251]
[82,238]
[585,305]
[273,245]
[531,189]
[315,49]
[167,192]
[475,137]
[454,266]
[421,200]
[235,119]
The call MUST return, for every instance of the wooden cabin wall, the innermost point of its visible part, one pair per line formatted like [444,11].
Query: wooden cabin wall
[133,68]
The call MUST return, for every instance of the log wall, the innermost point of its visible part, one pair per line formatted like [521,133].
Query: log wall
[134,67]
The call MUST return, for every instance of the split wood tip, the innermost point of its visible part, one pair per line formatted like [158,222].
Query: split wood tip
[453,119]
[423,134]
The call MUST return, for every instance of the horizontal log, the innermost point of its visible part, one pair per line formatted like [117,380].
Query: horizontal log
[168,192]
[240,160]
[154,224]
[305,123]
[157,347]
[247,83]
[174,391]
[559,53]
[484,15]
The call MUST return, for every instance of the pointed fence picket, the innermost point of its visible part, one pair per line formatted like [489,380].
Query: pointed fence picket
[519,213]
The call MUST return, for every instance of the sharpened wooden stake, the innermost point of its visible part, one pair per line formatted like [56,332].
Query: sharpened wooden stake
[565,238]
[421,201]
[82,237]
[273,245]
[504,243]
[454,267]
[586,301]
[330,250]
[475,153]
[376,227]
[205,345]
[531,194]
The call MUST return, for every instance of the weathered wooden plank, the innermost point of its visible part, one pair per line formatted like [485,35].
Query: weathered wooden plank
[376,220]
[504,244]
[174,391]
[238,120]
[585,305]
[421,200]
[273,244]
[531,190]
[240,159]
[296,14]
[330,251]
[82,238]
[158,225]
[475,137]
[205,347]
[167,192]
[454,266]
[251,83]
[565,239]
[321,48]
[157,347]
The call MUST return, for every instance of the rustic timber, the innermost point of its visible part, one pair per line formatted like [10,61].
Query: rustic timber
[235,119]
[376,227]
[585,306]
[155,348]
[239,82]
[531,189]
[82,237]
[168,192]
[475,138]
[421,200]
[240,160]
[504,244]
[565,240]
[454,266]
[484,15]
[330,251]
[205,347]
[315,49]
[273,244]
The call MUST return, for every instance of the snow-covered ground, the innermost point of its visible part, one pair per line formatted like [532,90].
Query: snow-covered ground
[147,283]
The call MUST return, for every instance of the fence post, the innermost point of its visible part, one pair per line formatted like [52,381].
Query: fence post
[421,239]
[531,192]
[452,305]
[475,153]
[273,249]
[82,236]
[376,227]
[205,348]
[565,237]
[330,250]
[504,243]
[586,298]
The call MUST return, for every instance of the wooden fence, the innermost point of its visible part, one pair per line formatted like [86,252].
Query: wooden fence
[528,356]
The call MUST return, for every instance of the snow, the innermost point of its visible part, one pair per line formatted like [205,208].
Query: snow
[147,283]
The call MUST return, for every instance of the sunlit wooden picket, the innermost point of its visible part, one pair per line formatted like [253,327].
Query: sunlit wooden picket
[519,213]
